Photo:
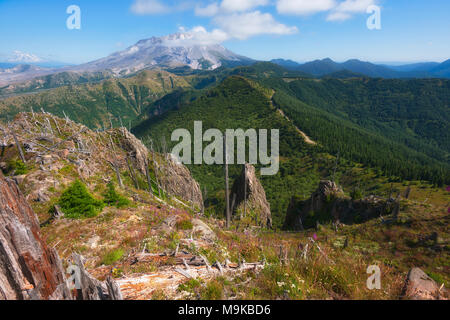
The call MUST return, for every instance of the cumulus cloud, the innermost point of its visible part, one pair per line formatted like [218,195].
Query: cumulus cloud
[144,7]
[229,6]
[234,19]
[197,36]
[208,11]
[151,7]
[245,25]
[19,56]
[347,8]
[242,5]
[304,7]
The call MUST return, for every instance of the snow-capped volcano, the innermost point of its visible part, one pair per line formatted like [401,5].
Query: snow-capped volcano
[176,50]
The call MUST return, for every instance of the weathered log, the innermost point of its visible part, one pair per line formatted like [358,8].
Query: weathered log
[89,288]
[29,269]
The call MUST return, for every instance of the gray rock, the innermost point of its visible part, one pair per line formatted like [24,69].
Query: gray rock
[419,286]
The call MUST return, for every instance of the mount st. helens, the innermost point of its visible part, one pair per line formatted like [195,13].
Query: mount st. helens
[169,52]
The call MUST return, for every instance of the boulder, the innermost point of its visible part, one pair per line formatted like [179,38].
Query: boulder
[255,195]
[205,231]
[419,286]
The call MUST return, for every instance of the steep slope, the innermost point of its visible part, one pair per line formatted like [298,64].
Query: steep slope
[357,134]
[53,81]
[94,104]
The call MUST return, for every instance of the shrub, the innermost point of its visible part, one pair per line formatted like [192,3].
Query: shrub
[213,291]
[112,198]
[18,167]
[184,224]
[356,194]
[76,202]
[112,256]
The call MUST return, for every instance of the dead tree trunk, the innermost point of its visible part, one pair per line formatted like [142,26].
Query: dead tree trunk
[90,288]
[245,190]
[227,190]
[132,173]
[117,170]
[149,181]
[19,147]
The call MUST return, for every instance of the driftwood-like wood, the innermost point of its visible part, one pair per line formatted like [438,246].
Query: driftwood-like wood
[29,269]
[19,147]
[89,288]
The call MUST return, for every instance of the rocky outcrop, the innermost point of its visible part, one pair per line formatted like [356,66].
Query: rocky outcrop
[329,203]
[54,145]
[176,179]
[29,270]
[419,286]
[136,150]
[247,186]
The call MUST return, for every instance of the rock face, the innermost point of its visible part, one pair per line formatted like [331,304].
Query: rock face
[329,203]
[29,270]
[420,286]
[256,197]
[176,179]
[135,148]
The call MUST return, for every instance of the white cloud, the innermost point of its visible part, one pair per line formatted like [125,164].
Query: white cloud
[148,7]
[198,36]
[245,25]
[143,7]
[208,11]
[354,6]
[304,7]
[229,6]
[235,19]
[242,5]
[19,56]
[347,8]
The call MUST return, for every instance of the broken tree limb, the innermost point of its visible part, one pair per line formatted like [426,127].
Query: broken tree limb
[132,173]
[184,273]
[117,170]
[19,147]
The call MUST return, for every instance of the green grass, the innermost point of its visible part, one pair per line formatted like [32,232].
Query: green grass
[112,257]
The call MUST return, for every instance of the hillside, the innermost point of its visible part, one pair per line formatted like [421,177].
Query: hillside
[157,245]
[356,131]
[93,104]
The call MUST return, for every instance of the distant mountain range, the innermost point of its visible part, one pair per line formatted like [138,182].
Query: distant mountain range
[183,52]
[180,50]
[327,67]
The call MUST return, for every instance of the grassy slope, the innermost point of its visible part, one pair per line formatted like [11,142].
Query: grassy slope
[92,104]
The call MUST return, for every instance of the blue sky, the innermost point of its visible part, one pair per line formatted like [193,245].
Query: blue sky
[301,30]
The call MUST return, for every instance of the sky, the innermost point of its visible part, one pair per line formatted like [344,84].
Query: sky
[300,30]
